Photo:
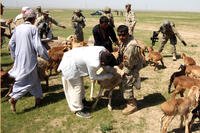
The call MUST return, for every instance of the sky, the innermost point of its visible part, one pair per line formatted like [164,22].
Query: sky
[149,5]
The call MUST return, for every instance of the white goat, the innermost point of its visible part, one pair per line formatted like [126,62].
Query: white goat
[108,84]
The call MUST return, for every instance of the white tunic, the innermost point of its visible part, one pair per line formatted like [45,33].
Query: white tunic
[82,61]
[25,46]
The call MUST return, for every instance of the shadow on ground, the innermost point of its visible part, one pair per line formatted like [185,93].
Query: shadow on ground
[51,96]
[150,100]
[195,127]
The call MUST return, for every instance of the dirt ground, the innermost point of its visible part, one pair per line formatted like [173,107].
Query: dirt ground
[154,86]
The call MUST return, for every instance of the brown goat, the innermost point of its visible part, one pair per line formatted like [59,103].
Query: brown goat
[182,83]
[176,74]
[155,57]
[42,68]
[193,71]
[56,54]
[109,84]
[188,60]
[180,106]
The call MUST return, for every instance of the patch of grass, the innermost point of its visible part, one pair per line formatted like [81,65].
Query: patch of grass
[55,117]
[106,127]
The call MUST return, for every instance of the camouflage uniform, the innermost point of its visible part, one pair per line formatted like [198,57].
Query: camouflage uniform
[132,61]
[78,23]
[109,15]
[169,32]
[130,21]
[39,12]
[47,21]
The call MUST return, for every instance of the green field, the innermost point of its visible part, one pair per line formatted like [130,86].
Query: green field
[54,116]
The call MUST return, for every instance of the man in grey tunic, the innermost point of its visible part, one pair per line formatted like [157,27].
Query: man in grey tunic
[25,45]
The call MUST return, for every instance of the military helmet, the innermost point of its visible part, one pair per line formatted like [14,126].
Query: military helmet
[77,11]
[166,22]
[46,12]
[107,9]
[38,7]
[128,5]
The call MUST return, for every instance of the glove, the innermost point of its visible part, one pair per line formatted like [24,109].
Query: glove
[184,43]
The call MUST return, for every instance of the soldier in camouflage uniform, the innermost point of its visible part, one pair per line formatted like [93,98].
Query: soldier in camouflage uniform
[43,23]
[38,12]
[78,23]
[131,58]
[169,32]
[109,15]
[130,19]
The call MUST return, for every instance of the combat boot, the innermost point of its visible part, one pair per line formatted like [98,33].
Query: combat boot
[131,107]
[174,57]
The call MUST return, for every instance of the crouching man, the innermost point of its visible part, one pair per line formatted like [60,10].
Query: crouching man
[131,59]
[78,63]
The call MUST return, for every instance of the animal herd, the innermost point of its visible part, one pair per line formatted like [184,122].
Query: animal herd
[188,78]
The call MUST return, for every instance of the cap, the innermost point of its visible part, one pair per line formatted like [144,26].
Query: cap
[77,11]
[25,8]
[3,24]
[29,14]
[46,12]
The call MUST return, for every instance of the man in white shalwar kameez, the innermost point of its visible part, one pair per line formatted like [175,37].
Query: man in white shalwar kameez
[25,46]
[80,62]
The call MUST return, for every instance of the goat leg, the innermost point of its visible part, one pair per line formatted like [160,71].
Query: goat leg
[186,123]
[92,88]
[98,97]
[166,123]
[109,100]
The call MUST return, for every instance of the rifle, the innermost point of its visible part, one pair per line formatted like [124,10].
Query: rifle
[154,38]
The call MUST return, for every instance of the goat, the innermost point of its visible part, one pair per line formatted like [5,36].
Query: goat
[182,83]
[180,106]
[188,60]
[176,74]
[42,68]
[56,54]
[193,71]
[109,84]
[155,57]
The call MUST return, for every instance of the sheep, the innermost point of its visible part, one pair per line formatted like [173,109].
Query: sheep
[176,74]
[182,83]
[193,71]
[180,106]
[188,60]
[109,84]
[155,57]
